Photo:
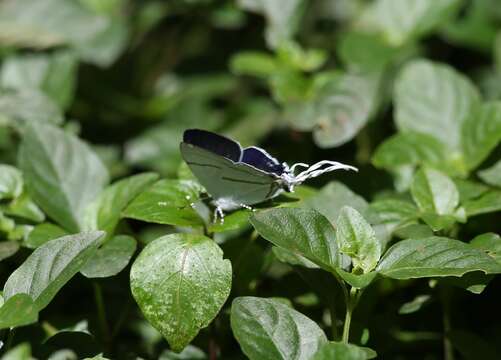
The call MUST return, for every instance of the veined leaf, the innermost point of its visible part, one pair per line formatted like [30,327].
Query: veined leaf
[434,257]
[301,231]
[267,329]
[180,282]
[63,175]
[434,192]
[17,311]
[51,266]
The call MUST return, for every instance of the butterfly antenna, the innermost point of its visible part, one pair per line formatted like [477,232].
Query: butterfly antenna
[314,170]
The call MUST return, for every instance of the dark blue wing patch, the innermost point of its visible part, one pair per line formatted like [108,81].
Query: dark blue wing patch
[214,143]
[261,160]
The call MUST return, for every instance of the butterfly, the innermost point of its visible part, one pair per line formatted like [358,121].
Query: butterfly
[237,177]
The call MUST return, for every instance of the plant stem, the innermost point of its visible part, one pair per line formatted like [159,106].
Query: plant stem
[446,321]
[10,338]
[351,300]
[101,312]
[332,310]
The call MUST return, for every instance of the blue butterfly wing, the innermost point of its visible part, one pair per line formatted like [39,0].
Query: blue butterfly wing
[261,160]
[214,143]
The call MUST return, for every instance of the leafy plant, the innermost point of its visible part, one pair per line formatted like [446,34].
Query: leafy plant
[108,247]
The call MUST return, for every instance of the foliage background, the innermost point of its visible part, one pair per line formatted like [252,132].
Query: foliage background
[388,86]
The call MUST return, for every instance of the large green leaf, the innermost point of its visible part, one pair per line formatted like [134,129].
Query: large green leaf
[51,266]
[403,21]
[434,99]
[17,311]
[267,329]
[342,351]
[434,256]
[180,282]
[490,243]
[304,232]
[111,258]
[63,175]
[18,107]
[11,182]
[167,202]
[356,238]
[434,192]
[54,74]
[481,132]
[105,212]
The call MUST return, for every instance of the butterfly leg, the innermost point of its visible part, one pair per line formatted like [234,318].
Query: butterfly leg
[218,213]
[244,206]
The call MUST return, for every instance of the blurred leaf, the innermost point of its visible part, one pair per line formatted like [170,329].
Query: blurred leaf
[355,280]
[332,197]
[111,258]
[441,109]
[180,282]
[356,238]
[18,310]
[490,243]
[303,232]
[293,55]
[104,213]
[50,23]
[342,351]
[254,63]
[470,189]
[492,175]
[54,74]
[51,266]
[394,212]
[25,208]
[8,248]
[20,107]
[481,133]
[43,233]
[434,257]
[414,231]
[400,22]
[19,352]
[488,202]
[268,329]
[282,18]
[190,352]
[62,174]
[474,282]
[167,202]
[11,182]
[415,305]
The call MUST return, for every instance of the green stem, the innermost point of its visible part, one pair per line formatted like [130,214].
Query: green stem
[101,312]
[446,321]
[334,331]
[351,300]
[10,338]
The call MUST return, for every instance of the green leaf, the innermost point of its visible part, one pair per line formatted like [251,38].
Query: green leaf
[25,208]
[253,63]
[303,232]
[434,99]
[18,107]
[490,243]
[180,282]
[292,258]
[167,202]
[492,175]
[488,202]
[358,281]
[11,182]
[356,238]
[63,175]
[415,305]
[401,22]
[8,248]
[411,148]
[54,74]
[395,212]
[481,132]
[434,257]
[434,192]
[282,19]
[19,310]
[190,352]
[342,351]
[236,220]
[43,233]
[19,352]
[333,197]
[51,266]
[268,329]
[343,106]
[104,213]
[111,258]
